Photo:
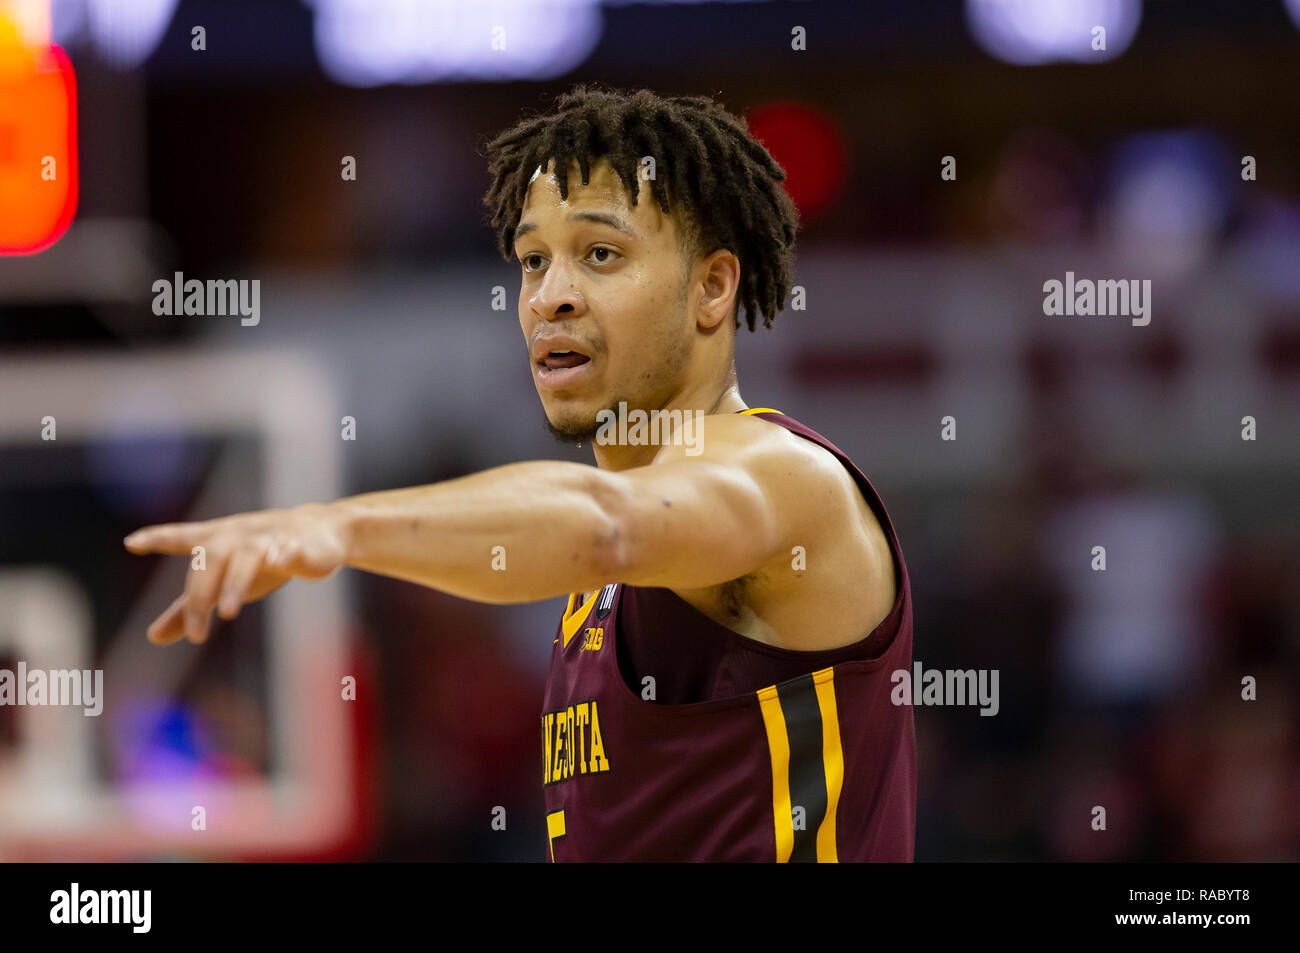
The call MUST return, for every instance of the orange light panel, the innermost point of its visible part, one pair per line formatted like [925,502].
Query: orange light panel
[38,147]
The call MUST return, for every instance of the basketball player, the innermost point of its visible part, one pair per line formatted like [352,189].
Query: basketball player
[719,686]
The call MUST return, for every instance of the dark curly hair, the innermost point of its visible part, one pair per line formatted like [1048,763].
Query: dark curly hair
[728,185]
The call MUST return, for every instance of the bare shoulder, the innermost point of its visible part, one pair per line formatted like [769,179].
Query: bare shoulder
[836,566]
[767,450]
[806,487]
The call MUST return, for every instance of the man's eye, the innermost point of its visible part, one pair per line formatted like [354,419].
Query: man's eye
[526,259]
[609,252]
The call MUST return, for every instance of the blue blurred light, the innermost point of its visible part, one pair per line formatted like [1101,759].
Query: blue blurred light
[372,42]
[142,470]
[142,475]
[161,742]
[1032,32]
[124,32]
[1170,185]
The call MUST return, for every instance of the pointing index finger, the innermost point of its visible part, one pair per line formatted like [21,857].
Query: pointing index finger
[176,539]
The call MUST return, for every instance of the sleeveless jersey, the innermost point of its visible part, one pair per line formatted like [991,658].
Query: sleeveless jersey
[748,752]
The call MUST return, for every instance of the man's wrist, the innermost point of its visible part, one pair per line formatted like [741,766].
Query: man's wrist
[339,519]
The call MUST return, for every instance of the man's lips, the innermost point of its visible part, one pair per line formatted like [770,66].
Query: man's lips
[555,372]
[560,359]
[549,346]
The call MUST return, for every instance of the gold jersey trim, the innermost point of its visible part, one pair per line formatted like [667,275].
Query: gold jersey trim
[573,620]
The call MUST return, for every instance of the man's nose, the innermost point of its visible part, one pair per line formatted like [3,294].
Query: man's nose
[558,295]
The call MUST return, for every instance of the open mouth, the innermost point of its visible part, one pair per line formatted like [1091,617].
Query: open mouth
[558,370]
[556,360]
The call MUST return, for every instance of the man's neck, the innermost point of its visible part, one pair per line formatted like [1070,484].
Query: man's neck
[617,454]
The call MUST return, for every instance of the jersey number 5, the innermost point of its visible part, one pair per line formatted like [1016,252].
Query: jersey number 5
[554,829]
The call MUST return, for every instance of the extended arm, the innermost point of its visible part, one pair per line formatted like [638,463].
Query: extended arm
[515,533]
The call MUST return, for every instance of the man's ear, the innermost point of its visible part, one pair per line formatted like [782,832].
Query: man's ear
[721,283]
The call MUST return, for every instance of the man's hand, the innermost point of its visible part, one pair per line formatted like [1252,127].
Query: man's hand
[246,556]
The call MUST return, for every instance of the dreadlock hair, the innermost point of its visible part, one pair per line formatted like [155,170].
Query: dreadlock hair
[728,185]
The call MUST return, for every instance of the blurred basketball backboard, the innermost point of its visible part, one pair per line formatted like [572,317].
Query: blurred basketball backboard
[243,746]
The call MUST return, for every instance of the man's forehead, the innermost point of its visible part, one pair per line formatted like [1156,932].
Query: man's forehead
[602,181]
[604,192]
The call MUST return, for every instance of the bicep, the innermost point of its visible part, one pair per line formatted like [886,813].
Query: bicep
[696,523]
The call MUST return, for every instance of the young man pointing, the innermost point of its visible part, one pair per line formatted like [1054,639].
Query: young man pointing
[719,686]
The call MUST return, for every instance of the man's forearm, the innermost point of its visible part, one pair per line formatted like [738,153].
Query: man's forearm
[515,533]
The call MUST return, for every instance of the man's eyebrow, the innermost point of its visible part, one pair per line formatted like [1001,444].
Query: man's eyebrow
[600,218]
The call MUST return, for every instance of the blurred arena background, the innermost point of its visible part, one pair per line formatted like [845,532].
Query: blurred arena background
[924,298]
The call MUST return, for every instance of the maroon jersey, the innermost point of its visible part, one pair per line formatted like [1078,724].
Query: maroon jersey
[667,736]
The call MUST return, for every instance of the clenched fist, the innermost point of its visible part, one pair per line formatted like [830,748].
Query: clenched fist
[245,557]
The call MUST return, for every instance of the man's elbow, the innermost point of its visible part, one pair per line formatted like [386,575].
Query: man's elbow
[613,539]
